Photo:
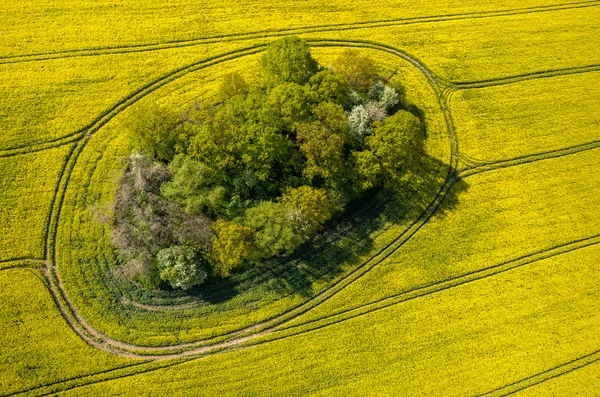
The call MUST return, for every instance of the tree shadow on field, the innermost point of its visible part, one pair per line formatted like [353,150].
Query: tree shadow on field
[348,241]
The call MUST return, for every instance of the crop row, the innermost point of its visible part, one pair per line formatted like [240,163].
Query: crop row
[271,33]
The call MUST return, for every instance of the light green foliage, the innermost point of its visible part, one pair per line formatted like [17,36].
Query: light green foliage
[195,185]
[181,266]
[288,60]
[360,71]
[154,130]
[273,230]
[395,144]
[370,169]
[233,84]
[291,102]
[232,245]
[307,208]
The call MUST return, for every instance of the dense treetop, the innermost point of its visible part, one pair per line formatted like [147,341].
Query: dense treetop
[262,171]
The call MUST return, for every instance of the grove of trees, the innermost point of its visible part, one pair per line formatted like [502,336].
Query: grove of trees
[262,171]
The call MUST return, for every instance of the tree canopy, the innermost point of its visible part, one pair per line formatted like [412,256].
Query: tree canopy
[262,171]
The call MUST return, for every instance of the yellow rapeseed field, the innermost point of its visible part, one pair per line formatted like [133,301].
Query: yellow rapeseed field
[482,279]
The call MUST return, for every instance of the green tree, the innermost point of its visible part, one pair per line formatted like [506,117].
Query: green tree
[395,143]
[232,245]
[213,143]
[324,150]
[332,116]
[181,266]
[273,231]
[155,130]
[331,86]
[233,84]
[196,186]
[360,70]
[308,209]
[287,60]
[262,149]
[369,169]
[291,102]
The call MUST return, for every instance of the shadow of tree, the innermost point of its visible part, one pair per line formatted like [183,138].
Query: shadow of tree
[348,241]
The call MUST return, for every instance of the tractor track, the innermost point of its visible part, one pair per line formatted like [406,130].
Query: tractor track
[444,284]
[544,376]
[493,82]
[240,338]
[368,309]
[496,165]
[21,263]
[93,51]
[95,338]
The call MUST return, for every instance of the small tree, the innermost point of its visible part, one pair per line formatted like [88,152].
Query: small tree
[360,70]
[288,60]
[324,151]
[331,86]
[181,267]
[369,169]
[291,102]
[307,208]
[273,232]
[389,98]
[375,111]
[155,130]
[233,84]
[395,143]
[359,123]
[196,186]
[232,245]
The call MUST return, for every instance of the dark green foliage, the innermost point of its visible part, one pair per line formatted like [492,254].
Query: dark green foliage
[331,86]
[264,169]
[391,149]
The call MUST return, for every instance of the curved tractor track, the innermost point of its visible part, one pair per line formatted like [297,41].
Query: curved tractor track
[472,166]
[119,49]
[246,334]
[97,339]
[270,329]
[97,51]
